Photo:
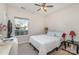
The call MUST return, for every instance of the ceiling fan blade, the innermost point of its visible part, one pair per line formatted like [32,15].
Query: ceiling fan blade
[50,6]
[37,5]
[39,9]
[43,4]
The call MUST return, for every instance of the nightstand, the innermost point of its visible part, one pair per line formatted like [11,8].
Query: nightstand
[67,43]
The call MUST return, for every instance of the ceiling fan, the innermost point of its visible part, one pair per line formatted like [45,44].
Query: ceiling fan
[43,6]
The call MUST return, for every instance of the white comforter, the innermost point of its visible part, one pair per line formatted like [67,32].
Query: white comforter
[45,43]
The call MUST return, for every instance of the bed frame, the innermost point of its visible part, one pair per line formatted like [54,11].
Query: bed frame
[56,49]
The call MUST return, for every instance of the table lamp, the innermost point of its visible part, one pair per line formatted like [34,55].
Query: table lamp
[64,36]
[72,34]
[46,30]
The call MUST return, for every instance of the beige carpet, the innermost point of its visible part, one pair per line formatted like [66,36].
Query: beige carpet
[26,49]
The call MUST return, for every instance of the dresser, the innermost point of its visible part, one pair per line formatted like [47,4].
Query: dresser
[9,47]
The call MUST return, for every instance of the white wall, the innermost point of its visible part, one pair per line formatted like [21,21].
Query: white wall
[66,19]
[36,25]
[63,20]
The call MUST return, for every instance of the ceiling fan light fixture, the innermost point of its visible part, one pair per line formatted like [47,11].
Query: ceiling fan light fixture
[43,7]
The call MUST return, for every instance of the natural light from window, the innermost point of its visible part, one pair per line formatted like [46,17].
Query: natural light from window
[21,26]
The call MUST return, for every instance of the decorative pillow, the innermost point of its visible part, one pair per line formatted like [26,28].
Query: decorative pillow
[57,34]
[50,33]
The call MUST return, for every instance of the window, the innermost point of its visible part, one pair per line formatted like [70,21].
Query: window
[21,26]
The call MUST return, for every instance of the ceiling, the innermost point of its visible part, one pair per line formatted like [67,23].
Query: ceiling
[32,8]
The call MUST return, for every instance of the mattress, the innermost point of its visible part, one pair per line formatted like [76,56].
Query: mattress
[44,43]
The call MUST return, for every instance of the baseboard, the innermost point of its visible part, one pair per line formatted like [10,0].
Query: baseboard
[22,42]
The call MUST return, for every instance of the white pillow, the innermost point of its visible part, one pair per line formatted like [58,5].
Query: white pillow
[50,33]
[57,34]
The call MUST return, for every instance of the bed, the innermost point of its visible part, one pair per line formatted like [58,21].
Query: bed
[45,43]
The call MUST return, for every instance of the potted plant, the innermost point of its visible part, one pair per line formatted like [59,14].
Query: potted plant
[2,28]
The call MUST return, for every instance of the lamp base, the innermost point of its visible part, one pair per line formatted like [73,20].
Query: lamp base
[72,41]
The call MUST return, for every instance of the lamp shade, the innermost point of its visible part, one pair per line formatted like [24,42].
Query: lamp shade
[72,33]
[46,28]
[64,36]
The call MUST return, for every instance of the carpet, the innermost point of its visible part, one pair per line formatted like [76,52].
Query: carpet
[26,49]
